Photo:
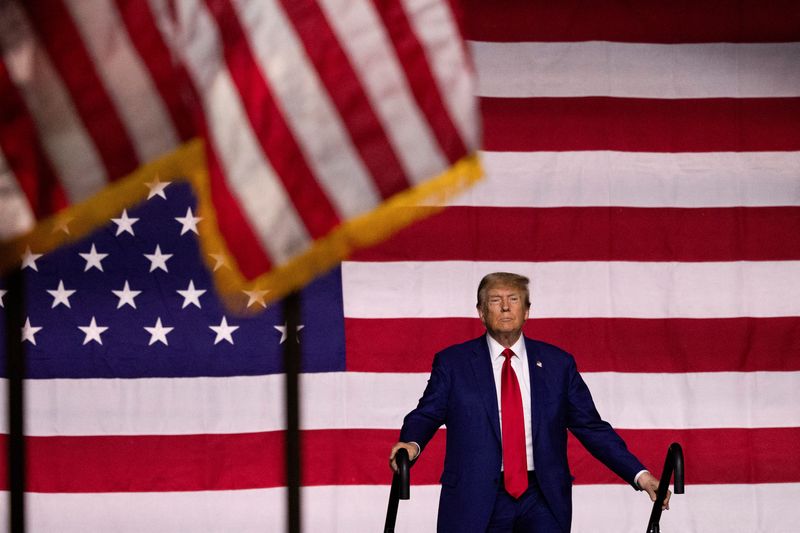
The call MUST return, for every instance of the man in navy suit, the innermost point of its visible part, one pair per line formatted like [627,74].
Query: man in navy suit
[510,474]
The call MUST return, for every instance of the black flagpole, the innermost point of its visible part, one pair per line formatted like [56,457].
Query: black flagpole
[291,364]
[15,372]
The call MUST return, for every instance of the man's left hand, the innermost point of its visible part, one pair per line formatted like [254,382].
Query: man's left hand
[648,483]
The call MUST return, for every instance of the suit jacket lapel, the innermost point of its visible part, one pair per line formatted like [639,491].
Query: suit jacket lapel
[537,386]
[484,378]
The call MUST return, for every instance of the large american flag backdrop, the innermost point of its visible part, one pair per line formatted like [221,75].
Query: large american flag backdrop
[643,167]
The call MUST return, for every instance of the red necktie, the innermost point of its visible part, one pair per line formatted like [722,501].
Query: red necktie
[515,463]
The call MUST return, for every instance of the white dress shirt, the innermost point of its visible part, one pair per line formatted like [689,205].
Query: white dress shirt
[519,362]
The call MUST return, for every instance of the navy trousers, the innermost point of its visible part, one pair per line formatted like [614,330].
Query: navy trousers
[529,514]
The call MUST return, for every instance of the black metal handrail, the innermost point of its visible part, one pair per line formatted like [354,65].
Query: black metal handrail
[673,463]
[401,488]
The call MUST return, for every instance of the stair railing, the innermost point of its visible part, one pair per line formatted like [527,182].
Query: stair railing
[401,488]
[673,463]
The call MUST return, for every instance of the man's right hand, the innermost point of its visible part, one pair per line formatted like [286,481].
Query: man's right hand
[411,448]
[649,483]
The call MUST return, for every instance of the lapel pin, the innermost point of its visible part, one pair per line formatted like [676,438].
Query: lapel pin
[539,364]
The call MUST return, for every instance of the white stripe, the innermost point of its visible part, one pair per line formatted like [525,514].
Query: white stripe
[75,159]
[697,400]
[578,289]
[344,400]
[308,109]
[249,175]
[166,23]
[153,406]
[615,508]
[157,512]
[16,216]
[124,77]
[703,509]
[601,178]
[708,70]
[359,30]
[436,28]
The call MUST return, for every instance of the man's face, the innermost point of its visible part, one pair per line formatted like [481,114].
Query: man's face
[504,310]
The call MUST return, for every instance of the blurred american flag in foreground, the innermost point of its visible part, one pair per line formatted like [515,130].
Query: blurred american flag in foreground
[318,118]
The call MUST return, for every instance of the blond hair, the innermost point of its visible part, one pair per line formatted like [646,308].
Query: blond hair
[503,279]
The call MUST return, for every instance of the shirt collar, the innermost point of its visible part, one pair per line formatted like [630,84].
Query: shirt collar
[496,349]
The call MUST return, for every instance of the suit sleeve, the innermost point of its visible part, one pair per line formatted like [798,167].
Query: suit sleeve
[597,435]
[431,412]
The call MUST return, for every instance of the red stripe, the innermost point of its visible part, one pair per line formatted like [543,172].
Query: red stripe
[155,463]
[423,85]
[641,125]
[598,344]
[167,78]
[597,234]
[270,127]
[712,456]
[660,21]
[347,94]
[68,54]
[255,460]
[748,455]
[23,152]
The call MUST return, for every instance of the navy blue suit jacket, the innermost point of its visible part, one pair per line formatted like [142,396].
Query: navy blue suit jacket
[461,394]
